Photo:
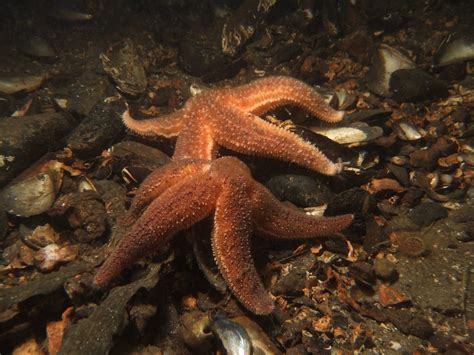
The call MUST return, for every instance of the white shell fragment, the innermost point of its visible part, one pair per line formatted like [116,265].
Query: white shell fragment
[52,255]
[406,131]
[357,132]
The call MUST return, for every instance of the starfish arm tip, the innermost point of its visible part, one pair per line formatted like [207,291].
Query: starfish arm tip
[339,115]
[265,307]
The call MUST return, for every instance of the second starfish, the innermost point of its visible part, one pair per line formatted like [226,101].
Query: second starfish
[188,191]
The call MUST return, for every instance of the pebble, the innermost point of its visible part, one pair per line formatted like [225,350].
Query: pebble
[38,47]
[412,197]
[414,85]
[385,270]
[292,278]
[428,158]
[426,213]
[99,130]
[410,323]
[301,190]
[362,272]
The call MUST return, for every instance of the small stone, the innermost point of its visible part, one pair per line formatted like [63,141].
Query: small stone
[301,190]
[428,158]
[411,85]
[426,213]
[410,323]
[292,278]
[385,270]
[362,272]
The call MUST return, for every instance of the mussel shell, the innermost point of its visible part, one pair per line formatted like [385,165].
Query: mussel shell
[38,47]
[455,48]
[29,197]
[233,336]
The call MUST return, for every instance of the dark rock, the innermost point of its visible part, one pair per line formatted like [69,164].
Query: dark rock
[291,332]
[7,105]
[466,236]
[25,140]
[336,246]
[409,85]
[286,52]
[299,349]
[362,272]
[374,236]
[426,213]
[440,342]
[293,281]
[385,270]
[355,200]
[400,173]
[412,197]
[99,130]
[199,57]
[358,45]
[43,285]
[85,213]
[301,190]
[410,323]
[428,158]
[3,223]
[138,158]
[94,334]
[453,72]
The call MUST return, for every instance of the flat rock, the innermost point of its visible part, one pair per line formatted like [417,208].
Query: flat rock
[427,212]
[412,85]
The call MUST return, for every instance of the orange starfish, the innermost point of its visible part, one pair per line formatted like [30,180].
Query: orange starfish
[184,192]
[229,117]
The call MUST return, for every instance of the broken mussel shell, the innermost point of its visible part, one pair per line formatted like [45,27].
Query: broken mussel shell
[34,191]
[386,61]
[122,63]
[23,83]
[240,335]
[457,47]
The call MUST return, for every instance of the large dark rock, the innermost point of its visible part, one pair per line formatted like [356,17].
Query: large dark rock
[412,85]
[99,130]
[25,139]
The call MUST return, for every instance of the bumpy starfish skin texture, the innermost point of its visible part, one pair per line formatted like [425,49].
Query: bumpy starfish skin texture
[229,117]
[183,193]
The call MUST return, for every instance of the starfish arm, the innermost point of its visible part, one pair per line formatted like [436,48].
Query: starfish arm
[166,126]
[248,134]
[231,248]
[265,94]
[196,142]
[177,209]
[274,219]
[158,182]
